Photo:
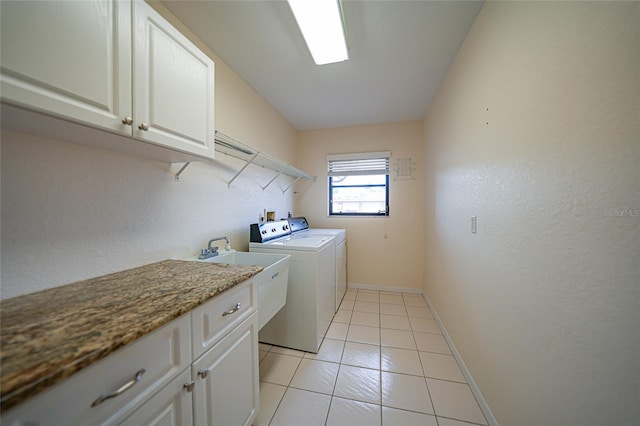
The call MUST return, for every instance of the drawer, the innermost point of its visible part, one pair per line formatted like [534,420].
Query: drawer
[163,354]
[217,317]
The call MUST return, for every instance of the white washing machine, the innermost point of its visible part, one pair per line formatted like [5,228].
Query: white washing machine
[299,225]
[303,321]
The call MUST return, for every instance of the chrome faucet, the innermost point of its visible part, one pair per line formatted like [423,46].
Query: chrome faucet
[208,252]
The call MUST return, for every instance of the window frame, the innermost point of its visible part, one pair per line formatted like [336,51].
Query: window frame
[358,171]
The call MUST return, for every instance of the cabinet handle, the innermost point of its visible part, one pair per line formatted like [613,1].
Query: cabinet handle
[232,311]
[189,386]
[143,126]
[122,389]
[203,373]
[128,121]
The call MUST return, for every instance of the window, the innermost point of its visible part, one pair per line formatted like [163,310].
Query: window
[359,184]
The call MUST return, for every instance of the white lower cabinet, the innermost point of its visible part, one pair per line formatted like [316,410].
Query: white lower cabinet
[157,381]
[215,318]
[97,394]
[226,385]
[171,406]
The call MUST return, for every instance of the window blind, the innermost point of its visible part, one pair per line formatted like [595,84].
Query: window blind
[366,163]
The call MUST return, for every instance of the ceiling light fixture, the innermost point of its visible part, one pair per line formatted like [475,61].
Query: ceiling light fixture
[320,22]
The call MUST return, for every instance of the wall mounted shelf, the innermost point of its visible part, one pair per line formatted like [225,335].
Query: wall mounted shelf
[227,145]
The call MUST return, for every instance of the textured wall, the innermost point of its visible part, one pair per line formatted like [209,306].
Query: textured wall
[71,212]
[381,251]
[536,132]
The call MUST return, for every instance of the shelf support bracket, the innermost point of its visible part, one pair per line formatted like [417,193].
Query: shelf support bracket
[182,170]
[271,181]
[242,169]
[294,182]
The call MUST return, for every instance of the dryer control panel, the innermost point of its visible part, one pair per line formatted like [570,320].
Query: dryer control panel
[298,224]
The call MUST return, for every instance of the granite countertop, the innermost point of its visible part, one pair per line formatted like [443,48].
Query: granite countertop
[49,335]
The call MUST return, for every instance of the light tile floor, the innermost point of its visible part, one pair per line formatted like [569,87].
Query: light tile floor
[383,361]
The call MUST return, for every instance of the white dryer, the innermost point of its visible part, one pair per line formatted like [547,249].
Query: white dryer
[300,225]
[303,322]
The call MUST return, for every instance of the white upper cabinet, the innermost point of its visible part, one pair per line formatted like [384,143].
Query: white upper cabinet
[173,86]
[69,59]
[114,65]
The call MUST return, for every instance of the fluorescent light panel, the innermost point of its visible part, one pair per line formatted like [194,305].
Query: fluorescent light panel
[320,22]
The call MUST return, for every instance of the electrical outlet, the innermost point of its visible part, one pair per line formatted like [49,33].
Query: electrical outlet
[474,224]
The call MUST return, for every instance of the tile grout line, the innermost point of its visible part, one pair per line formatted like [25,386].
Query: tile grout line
[380,358]
[426,382]
[333,391]
[281,399]
[424,372]
[433,407]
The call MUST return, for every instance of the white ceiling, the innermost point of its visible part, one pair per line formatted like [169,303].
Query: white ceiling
[399,54]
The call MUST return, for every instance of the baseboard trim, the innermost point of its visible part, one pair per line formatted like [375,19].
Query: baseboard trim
[383,288]
[486,410]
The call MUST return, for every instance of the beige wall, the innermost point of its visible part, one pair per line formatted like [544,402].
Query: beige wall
[385,252]
[536,132]
[71,212]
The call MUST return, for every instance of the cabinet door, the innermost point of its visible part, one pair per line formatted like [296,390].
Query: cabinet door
[173,86]
[171,406]
[69,59]
[226,388]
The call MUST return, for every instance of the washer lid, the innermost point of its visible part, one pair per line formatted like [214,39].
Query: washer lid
[340,234]
[325,231]
[307,242]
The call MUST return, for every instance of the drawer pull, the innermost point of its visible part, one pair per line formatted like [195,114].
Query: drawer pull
[122,389]
[232,311]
